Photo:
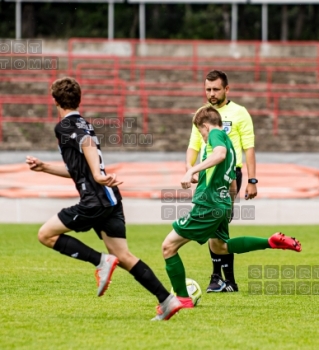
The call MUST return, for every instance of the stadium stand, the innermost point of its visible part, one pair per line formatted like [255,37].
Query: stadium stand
[160,83]
[135,93]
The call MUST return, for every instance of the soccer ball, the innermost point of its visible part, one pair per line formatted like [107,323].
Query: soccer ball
[193,289]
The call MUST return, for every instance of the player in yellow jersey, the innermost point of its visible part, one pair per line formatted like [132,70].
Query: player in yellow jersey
[237,124]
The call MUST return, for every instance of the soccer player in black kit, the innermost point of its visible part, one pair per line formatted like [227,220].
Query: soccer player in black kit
[100,205]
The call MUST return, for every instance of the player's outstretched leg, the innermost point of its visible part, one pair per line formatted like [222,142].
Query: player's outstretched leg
[167,308]
[104,271]
[280,241]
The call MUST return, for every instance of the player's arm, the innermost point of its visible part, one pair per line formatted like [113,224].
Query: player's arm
[246,131]
[92,157]
[36,164]
[218,155]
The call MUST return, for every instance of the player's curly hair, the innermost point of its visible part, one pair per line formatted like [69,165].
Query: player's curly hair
[207,114]
[67,93]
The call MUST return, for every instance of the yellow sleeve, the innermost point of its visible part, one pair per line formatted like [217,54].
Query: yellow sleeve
[196,140]
[246,129]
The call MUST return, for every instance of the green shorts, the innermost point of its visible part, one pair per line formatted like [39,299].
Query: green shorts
[203,223]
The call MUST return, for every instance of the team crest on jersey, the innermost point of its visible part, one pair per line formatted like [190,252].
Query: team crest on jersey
[81,124]
[227,126]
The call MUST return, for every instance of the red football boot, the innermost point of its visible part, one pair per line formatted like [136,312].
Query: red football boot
[280,241]
[186,302]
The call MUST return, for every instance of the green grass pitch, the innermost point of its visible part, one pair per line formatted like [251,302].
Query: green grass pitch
[48,301]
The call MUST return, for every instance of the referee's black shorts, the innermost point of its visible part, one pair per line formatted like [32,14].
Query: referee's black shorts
[79,218]
[239,178]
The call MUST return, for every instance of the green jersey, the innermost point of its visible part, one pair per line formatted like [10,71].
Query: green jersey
[213,183]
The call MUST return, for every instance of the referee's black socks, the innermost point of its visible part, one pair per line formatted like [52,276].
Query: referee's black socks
[217,264]
[225,262]
[74,248]
[228,267]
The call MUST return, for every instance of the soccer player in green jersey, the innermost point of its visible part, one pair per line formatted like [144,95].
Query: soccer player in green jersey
[237,124]
[213,199]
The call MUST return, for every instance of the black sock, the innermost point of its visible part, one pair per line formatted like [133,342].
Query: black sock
[74,248]
[146,277]
[228,267]
[216,260]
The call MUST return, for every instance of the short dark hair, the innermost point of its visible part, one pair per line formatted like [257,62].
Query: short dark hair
[217,74]
[67,93]
[207,114]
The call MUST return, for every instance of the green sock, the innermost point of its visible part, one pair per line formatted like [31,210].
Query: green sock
[241,245]
[176,273]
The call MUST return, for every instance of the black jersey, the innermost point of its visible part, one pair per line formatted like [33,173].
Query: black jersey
[71,132]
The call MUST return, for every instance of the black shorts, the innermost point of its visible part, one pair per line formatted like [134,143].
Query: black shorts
[239,177]
[111,220]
